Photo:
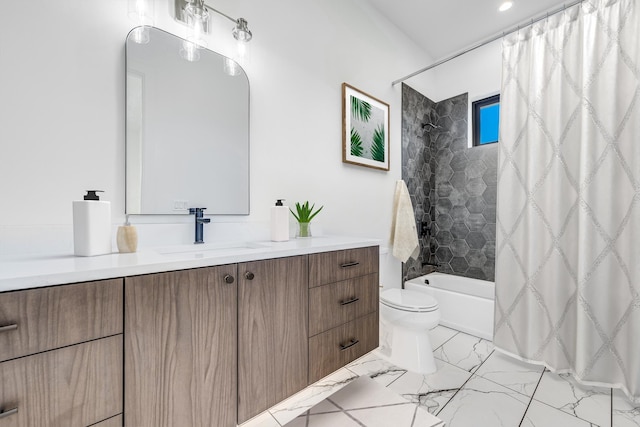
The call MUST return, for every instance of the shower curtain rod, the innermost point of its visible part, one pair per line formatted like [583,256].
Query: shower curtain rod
[489,40]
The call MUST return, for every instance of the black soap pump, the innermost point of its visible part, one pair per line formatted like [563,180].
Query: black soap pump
[279,222]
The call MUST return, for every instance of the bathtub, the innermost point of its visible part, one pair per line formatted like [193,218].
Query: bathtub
[465,304]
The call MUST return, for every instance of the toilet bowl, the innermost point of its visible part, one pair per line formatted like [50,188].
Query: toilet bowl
[406,317]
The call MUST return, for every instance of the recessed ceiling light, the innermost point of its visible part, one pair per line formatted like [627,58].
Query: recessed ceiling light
[505,6]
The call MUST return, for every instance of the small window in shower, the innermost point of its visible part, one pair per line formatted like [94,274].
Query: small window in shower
[486,120]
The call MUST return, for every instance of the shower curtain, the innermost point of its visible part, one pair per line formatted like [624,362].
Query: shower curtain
[568,214]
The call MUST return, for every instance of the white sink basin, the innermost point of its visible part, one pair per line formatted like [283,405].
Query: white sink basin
[208,249]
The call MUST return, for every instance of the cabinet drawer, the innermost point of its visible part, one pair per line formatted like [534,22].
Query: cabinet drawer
[329,267]
[73,386]
[341,302]
[337,347]
[43,319]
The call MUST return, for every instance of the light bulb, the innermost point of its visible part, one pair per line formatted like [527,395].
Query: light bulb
[241,50]
[241,31]
[197,22]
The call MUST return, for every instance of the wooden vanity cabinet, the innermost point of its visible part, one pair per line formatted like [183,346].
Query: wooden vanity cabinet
[211,346]
[343,308]
[181,348]
[61,352]
[272,332]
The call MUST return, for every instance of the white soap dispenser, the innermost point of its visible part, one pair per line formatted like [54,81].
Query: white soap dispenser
[279,222]
[91,225]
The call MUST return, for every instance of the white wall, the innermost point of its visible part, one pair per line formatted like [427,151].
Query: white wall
[477,73]
[62,121]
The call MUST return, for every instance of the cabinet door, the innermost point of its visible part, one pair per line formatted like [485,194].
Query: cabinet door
[272,332]
[74,386]
[181,348]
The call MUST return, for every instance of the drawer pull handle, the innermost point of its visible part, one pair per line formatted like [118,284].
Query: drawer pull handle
[349,264]
[9,328]
[350,301]
[8,413]
[351,343]
[249,275]
[228,278]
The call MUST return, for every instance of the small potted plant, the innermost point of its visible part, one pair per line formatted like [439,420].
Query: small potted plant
[304,216]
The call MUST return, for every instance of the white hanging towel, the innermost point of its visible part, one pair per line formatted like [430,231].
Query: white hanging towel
[404,235]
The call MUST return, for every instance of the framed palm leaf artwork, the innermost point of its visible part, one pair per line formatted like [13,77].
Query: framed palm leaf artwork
[365,129]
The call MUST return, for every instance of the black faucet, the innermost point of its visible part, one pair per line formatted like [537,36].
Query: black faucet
[200,221]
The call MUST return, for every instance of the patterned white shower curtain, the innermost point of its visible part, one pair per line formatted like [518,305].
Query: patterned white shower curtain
[568,224]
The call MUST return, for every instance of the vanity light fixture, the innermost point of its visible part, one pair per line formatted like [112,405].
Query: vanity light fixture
[505,6]
[241,31]
[195,13]
[196,17]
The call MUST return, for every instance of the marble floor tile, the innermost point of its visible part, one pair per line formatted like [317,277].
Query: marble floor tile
[424,418]
[464,351]
[300,402]
[482,403]
[325,420]
[377,368]
[511,373]
[473,386]
[394,415]
[365,393]
[365,403]
[440,335]
[541,415]
[625,414]
[431,391]
[562,392]
[324,407]
[263,420]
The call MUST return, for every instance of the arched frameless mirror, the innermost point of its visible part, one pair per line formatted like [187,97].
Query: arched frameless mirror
[187,128]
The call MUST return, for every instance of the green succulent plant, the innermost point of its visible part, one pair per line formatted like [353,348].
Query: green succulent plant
[305,213]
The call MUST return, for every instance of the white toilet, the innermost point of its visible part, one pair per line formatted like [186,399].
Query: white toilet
[406,317]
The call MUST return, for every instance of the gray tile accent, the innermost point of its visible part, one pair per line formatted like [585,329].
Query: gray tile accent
[453,187]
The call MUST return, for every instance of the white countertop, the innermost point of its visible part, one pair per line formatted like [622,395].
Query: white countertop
[39,271]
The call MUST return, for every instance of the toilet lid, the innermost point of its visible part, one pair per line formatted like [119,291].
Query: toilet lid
[407,300]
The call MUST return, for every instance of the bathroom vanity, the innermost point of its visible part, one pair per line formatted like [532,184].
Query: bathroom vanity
[191,337]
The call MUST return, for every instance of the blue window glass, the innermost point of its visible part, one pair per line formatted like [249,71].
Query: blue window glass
[486,120]
[489,121]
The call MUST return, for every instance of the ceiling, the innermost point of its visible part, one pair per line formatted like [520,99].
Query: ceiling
[443,27]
